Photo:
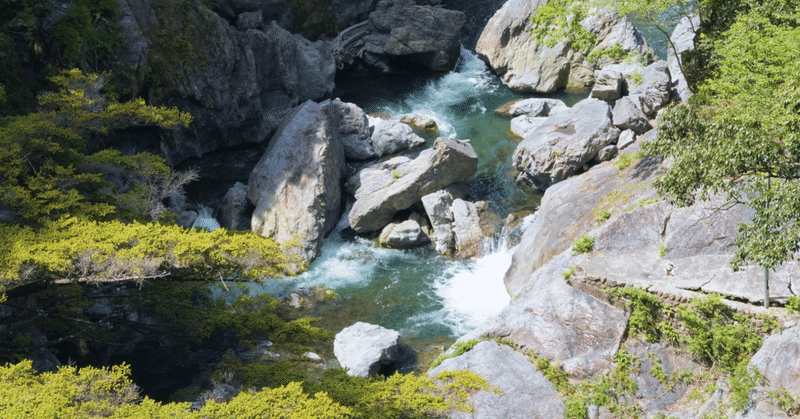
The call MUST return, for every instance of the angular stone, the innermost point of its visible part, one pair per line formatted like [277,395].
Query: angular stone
[423,34]
[564,143]
[467,229]
[365,348]
[354,129]
[607,85]
[437,206]
[235,211]
[777,359]
[628,115]
[383,190]
[683,39]
[653,93]
[626,138]
[296,186]
[531,107]
[523,126]
[389,137]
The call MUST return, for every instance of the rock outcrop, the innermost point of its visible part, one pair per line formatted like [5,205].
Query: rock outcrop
[524,391]
[527,66]
[237,91]
[777,359]
[296,186]
[355,131]
[364,349]
[564,143]
[654,91]
[424,35]
[383,189]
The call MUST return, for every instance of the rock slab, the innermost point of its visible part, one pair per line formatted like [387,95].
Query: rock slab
[388,187]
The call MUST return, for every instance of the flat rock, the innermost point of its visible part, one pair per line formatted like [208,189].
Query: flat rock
[525,392]
[561,323]
[531,107]
[384,189]
[390,136]
[564,143]
[523,126]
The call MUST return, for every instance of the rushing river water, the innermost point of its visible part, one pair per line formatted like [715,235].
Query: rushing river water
[419,292]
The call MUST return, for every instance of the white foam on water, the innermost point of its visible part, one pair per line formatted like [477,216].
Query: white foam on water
[458,90]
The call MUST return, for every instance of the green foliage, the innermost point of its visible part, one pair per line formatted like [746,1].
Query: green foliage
[625,160]
[88,32]
[785,401]
[615,54]
[741,382]
[647,313]
[793,304]
[559,21]
[250,316]
[608,390]
[582,244]
[459,348]
[643,203]
[568,273]
[45,173]
[739,136]
[72,250]
[662,250]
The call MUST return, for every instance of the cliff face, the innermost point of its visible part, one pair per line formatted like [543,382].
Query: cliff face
[236,83]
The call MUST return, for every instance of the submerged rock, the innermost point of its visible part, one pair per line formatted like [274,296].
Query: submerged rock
[564,143]
[384,189]
[296,186]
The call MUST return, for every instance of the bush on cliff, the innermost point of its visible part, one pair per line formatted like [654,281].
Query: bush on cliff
[66,221]
[108,392]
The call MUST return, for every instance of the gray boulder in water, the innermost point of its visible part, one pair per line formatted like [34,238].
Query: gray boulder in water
[296,186]
[383,189]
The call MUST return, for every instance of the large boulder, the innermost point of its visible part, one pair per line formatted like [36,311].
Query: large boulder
[524,391]
[402,235]
[364,349]
[777,359]
[564,143]
[527,66]
[607,85]
[296,186]
[384,189]
[239,89]
[580,331]
[422,34]
[523,126]
[531,107]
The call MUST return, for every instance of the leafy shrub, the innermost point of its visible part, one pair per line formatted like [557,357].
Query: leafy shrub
[559,21]
[793,304]
[582,244]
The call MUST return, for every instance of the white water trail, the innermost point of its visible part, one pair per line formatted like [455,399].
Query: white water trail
[441,100]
